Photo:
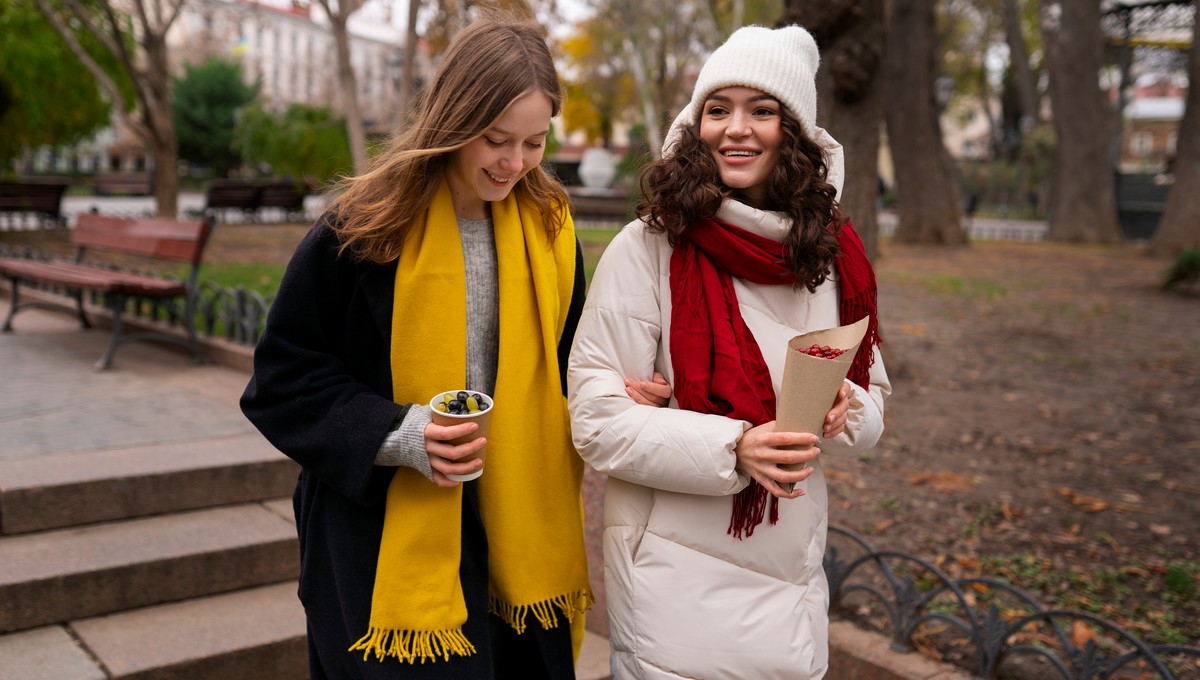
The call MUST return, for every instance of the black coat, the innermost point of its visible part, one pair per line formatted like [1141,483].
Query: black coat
[321,393]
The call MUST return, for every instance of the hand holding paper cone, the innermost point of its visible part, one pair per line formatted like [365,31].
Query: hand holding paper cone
[810,383]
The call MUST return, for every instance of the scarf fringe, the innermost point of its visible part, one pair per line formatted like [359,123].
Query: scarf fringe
[749,507]
[570,604]
[410,646]
[854,309]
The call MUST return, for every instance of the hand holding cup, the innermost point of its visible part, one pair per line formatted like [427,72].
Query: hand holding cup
[456,407]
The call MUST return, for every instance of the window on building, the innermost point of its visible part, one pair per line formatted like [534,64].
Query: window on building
[1172,141]
[1140,143]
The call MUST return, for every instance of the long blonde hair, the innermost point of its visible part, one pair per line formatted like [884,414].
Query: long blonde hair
[487,67]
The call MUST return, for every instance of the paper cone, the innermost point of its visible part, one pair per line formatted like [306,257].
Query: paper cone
[810,384]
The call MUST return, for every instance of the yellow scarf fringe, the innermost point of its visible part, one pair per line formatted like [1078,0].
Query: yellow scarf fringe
[570,604]
[414,645]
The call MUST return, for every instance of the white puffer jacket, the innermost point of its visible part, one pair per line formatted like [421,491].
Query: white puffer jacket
[686,599]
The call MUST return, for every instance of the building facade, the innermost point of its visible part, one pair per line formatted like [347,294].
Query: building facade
[285,46]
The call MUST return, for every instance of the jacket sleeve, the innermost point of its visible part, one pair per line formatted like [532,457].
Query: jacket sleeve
[864,420]
[618,337]
[321,386]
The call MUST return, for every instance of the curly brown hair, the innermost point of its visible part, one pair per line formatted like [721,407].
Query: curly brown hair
[487,67]
[686,186]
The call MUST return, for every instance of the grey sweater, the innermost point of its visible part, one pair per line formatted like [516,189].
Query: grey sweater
[405,445]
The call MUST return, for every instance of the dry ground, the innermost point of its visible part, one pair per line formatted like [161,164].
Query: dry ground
[1045,427]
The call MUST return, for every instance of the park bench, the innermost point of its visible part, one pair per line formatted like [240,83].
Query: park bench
[249,200]
[284,196]
[39,199]
[124,184]
[158,240]
[602,205]
[225,196]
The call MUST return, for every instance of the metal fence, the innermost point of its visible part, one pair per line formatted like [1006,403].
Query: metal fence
[985,625]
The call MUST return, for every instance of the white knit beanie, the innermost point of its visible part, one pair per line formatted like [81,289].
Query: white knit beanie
[781,62]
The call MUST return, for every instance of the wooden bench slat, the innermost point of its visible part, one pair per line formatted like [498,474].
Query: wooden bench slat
[66,274]
[181,240]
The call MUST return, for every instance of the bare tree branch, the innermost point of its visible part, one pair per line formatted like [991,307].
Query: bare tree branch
[102,78]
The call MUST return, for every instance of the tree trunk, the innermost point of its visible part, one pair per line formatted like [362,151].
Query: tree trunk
[409,68]
[154,124]
[649,111]
[160,123]
[349,88]
[850,35]
[1084,207]
[1019,55]
[927,188]
[1179,228]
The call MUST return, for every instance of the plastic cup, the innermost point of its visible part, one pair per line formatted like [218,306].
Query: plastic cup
[482,418]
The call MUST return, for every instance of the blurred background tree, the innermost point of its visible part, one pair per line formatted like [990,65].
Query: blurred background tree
[205,101]
[118,25]
[32,55]
[302,142]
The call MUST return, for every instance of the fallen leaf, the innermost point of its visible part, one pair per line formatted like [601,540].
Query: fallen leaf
[1090,503]
[1160,529]
[1081,633]
[943,481]
[839,475]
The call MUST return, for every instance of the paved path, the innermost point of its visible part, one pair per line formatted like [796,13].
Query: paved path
[54,401]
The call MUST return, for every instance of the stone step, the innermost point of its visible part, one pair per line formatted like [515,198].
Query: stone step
[55,576]
[71,489]
[256,633]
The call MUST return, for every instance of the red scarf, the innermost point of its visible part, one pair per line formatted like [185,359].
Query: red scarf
[709,337]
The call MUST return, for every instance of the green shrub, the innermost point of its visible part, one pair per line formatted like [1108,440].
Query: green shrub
[1186,270]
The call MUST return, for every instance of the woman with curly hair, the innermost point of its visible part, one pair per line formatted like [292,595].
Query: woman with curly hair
[452,263]
[713,569]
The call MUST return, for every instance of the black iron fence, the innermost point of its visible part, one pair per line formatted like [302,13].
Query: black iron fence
[985,625]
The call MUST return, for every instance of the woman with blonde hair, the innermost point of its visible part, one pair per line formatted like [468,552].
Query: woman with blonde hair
[712,560]
[451,264]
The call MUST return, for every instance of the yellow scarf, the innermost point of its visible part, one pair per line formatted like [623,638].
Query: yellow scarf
[530,491]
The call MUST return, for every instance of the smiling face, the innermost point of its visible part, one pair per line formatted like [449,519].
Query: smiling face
[741,126]
[489,166]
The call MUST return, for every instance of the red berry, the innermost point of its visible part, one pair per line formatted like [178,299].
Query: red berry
[822,351]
